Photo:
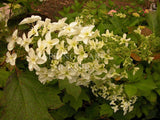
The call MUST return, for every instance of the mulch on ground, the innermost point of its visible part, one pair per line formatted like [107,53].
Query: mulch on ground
[50,8]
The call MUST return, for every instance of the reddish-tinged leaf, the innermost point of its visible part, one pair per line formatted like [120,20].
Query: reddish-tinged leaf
[135,57]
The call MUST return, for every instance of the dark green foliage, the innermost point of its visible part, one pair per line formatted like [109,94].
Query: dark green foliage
[64,112]
[105,110]
[27,99]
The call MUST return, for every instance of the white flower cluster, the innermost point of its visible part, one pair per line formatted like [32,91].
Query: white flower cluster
[115,94]
[57,50]
[74,52]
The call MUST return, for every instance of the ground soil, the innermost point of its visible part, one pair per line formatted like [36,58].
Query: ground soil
[50,8]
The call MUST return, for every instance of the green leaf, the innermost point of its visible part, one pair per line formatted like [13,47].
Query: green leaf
[130,10]
[1,94]
[130,89]
[76,103]
[111,3]
[101,28]
[158,91]
[71,89]
[27,99]
[23,27]
[116,23]
[105,109]
[134,22]
[3,44]
[146,84]
[81,116]
[103,6]
[3,77]
[152,97]
[92,111]
[73,103]
[138,75]
[63,112]
[147,108]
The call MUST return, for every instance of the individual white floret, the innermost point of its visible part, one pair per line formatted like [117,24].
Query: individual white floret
[13,39]
[105,56]
[41,47]
[33,31]
[34,60]
[96,45]
[25,42]
[86,33]
[138,30]
[11,58]
[123,40]
[108,34]
[150,59]
[72,43]
[50,42]
[115,108]
[46,26]
[61,50]
[135,69]
[81,54]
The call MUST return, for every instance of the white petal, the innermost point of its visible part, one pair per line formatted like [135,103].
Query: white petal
[48,36]
[56,41]
[10,45]
[8,54]
[31,19]
[27,48]
[42,60]
[39,42]
[15,33]
[76,51]
[12,62]
[59,54]
[19,41]
[73,24]
[30,66]
[14,55]
[31,52]
[85,41]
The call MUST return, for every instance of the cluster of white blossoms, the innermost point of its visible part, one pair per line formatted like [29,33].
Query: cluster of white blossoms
[57,50]
[116,95]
